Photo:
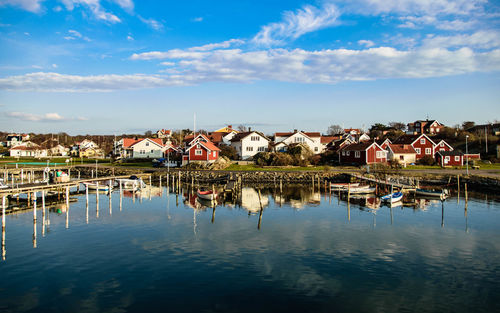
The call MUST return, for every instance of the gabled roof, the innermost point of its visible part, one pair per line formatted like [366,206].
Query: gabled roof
[226,129]
[327,139]
[443,141]
[128,142]
[208,145]
[197,138]
[216,137]
[410,139]
[360,146]
[450,153]
[402,149]
[288,134]
[156,141]
[241,136]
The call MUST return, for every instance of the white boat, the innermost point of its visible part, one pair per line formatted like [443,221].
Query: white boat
[393,197]
[340,186]
[432,193]
[2,185]
[101,187]
[364,189]
[206,194]
[131,183]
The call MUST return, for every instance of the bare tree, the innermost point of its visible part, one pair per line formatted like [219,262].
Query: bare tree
[335,130]
[398,126]
[242,128]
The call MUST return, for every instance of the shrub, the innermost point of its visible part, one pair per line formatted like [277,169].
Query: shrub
[229,152]
[427,160]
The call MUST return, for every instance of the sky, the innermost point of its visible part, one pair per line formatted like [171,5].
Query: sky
[125,66]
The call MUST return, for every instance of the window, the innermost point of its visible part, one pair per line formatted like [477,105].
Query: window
[198,152]
[428,151]
[422,141]
[261,149]
[380,154]
[401,158]
[441,149]
[343,152]
[357,154]
[437,130]
[249,148]
[214,154]
[255,138]
[442,144]
[446,159]
[348,153]
[417,150]
[152,151]
[147,144]
[299,139]
[316,149]
[198,146]
[142,152]
[457,158]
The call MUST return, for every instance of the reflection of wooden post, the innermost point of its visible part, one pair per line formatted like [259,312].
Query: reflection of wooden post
[442,214]
[67,206]
[3,213]
[43,213]
[97,199]
[110,206]
[213,214]
[348,210]
[34,234]
[458,189]
[121,194]
[261,210]
[466,197]
[34,206]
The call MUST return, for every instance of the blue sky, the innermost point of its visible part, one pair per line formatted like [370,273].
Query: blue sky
[115,66]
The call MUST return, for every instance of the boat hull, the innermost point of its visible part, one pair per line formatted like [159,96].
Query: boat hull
[206,195]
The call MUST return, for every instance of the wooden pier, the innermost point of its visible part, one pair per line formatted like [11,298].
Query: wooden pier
[388,182]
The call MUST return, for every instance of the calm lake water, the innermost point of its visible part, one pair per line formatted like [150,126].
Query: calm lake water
[312,253]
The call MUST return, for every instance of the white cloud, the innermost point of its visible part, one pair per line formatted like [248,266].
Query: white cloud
[480,40]
[28,5]
[298,66]
[95,7]
[54,65]
[296,24]
[125,4]
[197,19]
[47,117]
[130,38]
[73,34]
[154,24]
[167,63]
[219,45]
[366,43]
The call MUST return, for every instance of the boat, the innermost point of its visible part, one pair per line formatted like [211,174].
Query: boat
[441,194]
[102,187]
[393,197]
[2,185]
[340,186]
[206,194]
[131,183]
[364,189]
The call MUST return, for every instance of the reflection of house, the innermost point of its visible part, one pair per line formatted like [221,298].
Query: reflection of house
[250,200]
[28,149]
[404,154]
[250,143]
[311,139]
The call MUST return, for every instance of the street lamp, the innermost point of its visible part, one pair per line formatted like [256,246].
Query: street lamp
[467,154]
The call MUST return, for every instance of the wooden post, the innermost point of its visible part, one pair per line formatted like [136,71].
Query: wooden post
[121,194]
[22,176]
[97,199]
[261,211]
[67,206]
[43,213]
[3,213]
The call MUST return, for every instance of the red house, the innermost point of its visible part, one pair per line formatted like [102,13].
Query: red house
[422,144]
[450,158]
[201,151]
[442,146]
[363,153]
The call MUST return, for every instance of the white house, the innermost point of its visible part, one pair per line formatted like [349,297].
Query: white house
[250,143]
[404,154]
[28,149]
[311,139]
[140,148]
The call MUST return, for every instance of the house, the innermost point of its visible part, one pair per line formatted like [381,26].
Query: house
[422,144]
[327,141]
[28,149]
[353,131]
[384,143]
[16,139]
[363,138]
[490,129]
[311,139]
[226,129]
[362,154]
[139,148]
[248,144]
[164,133]
[419,127]
[200,151]
[450,158]
[442,146]
[403,154]
[91,153]
[219,138]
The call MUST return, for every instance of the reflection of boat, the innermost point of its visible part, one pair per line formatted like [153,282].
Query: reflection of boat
[94,186]
[133,182]
[2,185]
[340,186]
[206,194]
[365,189]
[432,193]
[393,197]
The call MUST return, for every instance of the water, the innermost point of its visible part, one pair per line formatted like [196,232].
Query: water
[312,253]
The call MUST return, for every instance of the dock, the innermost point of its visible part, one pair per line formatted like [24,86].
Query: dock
[390,181]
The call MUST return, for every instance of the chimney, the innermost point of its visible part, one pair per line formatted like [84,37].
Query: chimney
[230,126]
[294,130]
[249,129]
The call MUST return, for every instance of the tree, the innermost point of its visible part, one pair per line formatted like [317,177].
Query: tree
[335,130]
[467,125]
[378,126]
[148,133]
[242,128]
[229,152]
[398,126]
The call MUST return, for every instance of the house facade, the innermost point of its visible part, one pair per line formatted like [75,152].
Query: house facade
[248,144]
[311,139]
[442,146]
[419,127]
[362,154]
[16,139]
[201,151]
[422,144]
[28,149]
[403,154]
[139,148]
[450,158]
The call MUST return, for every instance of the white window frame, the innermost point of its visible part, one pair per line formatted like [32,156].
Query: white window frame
[214,154]
[422,141]
[348,153]
[379,154]
[428,151]
[457,158]
[417,150]
[198,152]
[357,154]
[446,159]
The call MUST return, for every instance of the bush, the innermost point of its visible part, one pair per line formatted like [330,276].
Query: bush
[281,159]
[427,160]
[228,152]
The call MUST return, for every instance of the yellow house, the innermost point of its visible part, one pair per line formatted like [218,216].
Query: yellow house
[91,153]
[227,129]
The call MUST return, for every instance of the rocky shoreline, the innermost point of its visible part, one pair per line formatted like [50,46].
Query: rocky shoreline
[474,182]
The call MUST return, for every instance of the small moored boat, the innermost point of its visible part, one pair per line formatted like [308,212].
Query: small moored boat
[442,194]
[131,183]
[101,187]
[393,197]
[364,189]
[206,194]
[340,186]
